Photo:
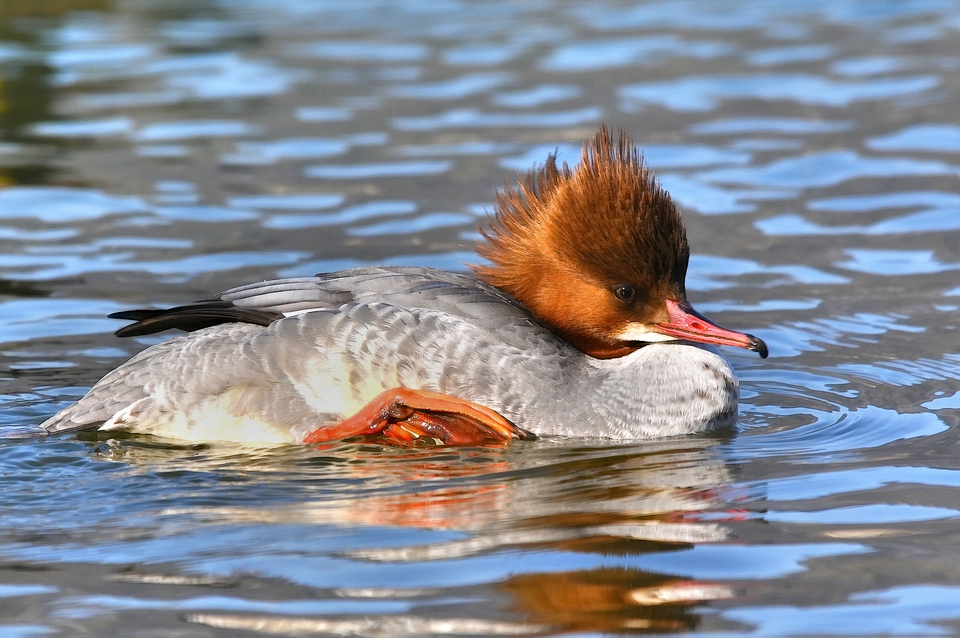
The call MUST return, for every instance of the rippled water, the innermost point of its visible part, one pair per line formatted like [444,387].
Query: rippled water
[156,152]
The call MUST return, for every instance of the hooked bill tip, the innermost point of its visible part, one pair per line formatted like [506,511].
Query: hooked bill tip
[758,346]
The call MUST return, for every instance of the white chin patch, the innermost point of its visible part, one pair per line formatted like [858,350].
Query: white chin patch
[640,332]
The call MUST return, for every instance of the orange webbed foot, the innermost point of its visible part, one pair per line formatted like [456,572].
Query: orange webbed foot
[406,416]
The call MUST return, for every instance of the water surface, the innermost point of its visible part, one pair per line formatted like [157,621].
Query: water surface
[154,153]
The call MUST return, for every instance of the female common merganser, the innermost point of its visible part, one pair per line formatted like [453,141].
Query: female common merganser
[578,326]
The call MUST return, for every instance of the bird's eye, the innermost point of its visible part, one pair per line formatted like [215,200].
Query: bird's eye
[624,292]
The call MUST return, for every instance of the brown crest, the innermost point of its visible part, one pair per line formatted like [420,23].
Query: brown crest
[565,238]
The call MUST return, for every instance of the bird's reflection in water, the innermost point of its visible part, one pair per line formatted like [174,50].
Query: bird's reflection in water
[603,504]
[611,600]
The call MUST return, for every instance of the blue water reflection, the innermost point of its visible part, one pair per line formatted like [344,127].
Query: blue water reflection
[364,51]
[895,262]
[819,485]
[733,562]
[189,130]
[930,137]
[790,54]
[384,169]
[538,96]
[927,221]
[882,513]
[705,93]
[911,611]
[25,319]
[289,201]
[83,128]
[468,118]
[455,89]
[601,54]
[769,125]
[454,261]
[83,262]
[293,148]
[826,169]
[345,216]
[709,199]
[59,205]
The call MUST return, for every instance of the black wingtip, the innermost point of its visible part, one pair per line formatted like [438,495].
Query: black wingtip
[134,315]
[189,318]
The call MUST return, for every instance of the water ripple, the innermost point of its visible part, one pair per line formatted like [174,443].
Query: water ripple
[83,128]
[904,373]
[650,50]
[481,54]
[51,235]
[826,169]
[895,262]
[36,268]
[24,319]
[361,51]
[924,222]
[227,77]
[879,201]
[741,562]
[205,214]
[384,169]
[868,65]
[263,153]
[710,272]
[769,125]
[850,331]
[704,93]
[678,14]
[914,610]
[878,513]
[833,434]
[454,261]
[537,96]
[323,114]
[455,89]
[789,55]
[820,484]
[461,148]
[104,55]
[422,223]
[288,201]
[470,118]
[187,130]
[346,216]
[942,138]
[709,199]
[53,204]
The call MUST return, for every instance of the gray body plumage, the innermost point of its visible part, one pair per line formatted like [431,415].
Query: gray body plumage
[345,337]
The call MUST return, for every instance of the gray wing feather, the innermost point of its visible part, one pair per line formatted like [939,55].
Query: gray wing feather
[407,287]
[264,302]
[285,372]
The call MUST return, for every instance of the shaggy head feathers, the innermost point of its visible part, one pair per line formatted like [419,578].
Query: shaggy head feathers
[564,239]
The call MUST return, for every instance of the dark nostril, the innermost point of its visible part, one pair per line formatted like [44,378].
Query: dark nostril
[696,325]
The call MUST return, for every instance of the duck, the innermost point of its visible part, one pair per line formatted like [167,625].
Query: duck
[576,324]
